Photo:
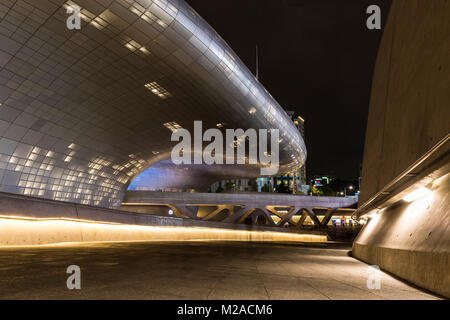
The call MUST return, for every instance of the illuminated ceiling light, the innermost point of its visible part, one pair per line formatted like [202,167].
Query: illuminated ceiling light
[72,5]
[144,50]
[132,45]
[99,23]
[219,125]
[85,17]
[172,126]
[156,89]
[162,23]
[155,152]
[172,7]
[96,24]
[144,17]
[136,11]
[416,194]
[148,17]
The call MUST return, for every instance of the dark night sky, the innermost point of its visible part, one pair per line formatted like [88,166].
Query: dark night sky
[316,58]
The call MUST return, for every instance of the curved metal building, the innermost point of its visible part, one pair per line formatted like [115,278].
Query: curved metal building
[83,112]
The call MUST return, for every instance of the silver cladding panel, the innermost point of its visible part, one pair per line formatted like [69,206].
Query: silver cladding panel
[77,122]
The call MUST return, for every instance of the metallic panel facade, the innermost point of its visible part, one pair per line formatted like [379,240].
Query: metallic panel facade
[84,111]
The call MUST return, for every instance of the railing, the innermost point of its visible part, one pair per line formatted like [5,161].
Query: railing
[384,192]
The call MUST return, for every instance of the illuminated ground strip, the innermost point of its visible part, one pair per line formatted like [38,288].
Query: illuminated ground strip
[16,230]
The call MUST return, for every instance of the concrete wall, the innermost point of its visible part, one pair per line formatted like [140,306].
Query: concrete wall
[409,109]
[409,113]
[32,221]
[412,240]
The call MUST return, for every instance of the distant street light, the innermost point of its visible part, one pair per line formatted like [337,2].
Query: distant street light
[349,188]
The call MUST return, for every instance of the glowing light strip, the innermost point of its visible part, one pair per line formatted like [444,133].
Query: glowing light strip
[144,204]
[186,233]
[58,219]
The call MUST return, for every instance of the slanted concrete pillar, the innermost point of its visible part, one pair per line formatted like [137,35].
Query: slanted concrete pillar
[303,215]
[241,213]
[254,219]
[313,217]
[287,218]
[186,212]
[268,215]
[219,209]
[327,217]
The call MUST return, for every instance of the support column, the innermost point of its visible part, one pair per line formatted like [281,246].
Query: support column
[313,217]
[287,218]
[240,213]
[327,217]
[186,212]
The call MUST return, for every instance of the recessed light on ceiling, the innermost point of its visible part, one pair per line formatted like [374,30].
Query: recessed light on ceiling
[172,126]
[158,90]
[144,50]
[133,46]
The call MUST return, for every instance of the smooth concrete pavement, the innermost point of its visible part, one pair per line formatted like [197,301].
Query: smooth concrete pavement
[193,270]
